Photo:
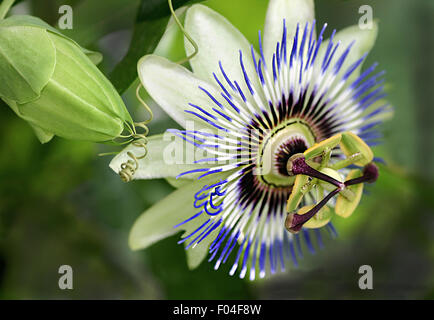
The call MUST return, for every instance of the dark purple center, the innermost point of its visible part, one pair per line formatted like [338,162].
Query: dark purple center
[286,151]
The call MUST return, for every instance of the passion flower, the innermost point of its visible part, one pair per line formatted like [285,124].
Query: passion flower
[251,115]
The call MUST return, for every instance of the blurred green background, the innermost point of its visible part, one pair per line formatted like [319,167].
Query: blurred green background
[61,204]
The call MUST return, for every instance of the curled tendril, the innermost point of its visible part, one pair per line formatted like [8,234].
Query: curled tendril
[129,168]
[189,38]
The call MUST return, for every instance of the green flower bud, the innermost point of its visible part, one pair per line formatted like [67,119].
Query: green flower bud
[52,83]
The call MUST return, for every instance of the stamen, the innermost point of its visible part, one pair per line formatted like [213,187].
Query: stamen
[294,221]
[370,175]
[297,165]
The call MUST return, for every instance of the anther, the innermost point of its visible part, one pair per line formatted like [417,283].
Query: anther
[297,165]
[294,221]
[370,175]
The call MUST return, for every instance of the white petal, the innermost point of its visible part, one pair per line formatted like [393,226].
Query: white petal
[178,183]
[173,87]
[293,11]
[158,222]
[197,254]
[218,40]
[165,158]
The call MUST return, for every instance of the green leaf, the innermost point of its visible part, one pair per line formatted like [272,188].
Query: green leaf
[21,49]
[146,36]
[94,19]
[152,20]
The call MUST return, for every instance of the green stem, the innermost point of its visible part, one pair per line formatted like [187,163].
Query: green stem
[4,8]
[189,38]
